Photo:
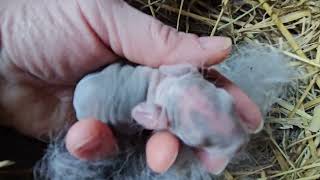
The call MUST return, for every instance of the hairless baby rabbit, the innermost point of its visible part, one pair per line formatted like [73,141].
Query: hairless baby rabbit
[176,98]
[173,97]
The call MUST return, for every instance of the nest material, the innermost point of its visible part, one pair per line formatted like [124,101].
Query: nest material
[288,146]
[128,164]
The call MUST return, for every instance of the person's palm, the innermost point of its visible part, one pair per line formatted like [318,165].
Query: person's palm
[48,46]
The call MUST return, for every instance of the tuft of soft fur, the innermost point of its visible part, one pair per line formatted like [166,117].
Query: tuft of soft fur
[128,164]
[261,71]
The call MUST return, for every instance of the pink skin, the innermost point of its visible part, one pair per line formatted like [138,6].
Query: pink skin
[47,46]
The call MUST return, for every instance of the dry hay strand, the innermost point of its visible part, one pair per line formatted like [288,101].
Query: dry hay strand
[288,147]
[6,163]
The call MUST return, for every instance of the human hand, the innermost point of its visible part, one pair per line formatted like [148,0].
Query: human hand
[47,46]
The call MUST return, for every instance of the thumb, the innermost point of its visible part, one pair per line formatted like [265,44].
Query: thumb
[143,39]
[90,139]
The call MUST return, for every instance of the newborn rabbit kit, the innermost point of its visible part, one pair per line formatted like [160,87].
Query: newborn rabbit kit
[178,98]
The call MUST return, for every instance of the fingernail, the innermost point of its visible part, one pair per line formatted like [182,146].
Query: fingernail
[214,163]
[250,121]
[215,43]
[96,149]
[254,123]
[87,144]
[259,128]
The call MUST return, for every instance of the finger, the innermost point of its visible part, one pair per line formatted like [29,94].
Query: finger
[90,139]
[248,111]
[51,40]
[145,40]
[68,39]
[161,151]
[214,163]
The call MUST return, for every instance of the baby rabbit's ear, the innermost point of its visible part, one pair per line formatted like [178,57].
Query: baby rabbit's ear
[178,69]
[150,116]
